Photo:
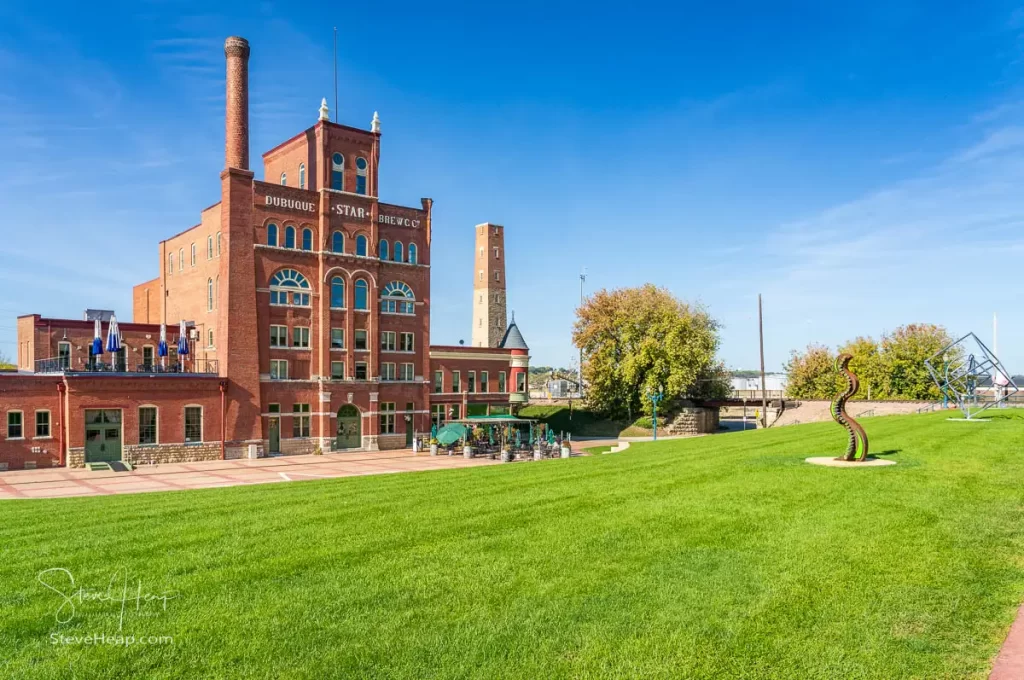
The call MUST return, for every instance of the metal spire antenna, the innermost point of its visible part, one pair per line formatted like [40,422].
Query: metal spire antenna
[335,74]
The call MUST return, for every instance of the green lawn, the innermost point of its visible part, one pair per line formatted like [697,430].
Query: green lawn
[713,557]
[579,421]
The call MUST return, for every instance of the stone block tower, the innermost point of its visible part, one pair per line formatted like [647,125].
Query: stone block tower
[489,317]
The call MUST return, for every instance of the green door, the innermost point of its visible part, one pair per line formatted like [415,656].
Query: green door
[275,435]
[350,431]
[102,435]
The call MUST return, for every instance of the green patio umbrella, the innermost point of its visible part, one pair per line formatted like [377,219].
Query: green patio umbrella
[551,436]
[531,434]
[490,435]
[519,437]
[433,431]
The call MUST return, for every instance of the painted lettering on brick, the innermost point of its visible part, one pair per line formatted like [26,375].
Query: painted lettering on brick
[396,221]
[356,211]
[291,204]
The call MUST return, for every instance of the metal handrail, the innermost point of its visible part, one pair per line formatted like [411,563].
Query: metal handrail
[131,365]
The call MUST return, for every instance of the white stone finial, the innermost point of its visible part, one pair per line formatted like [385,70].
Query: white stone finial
[375,123]
[325,113]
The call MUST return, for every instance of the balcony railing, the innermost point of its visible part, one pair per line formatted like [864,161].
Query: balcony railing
[130,366]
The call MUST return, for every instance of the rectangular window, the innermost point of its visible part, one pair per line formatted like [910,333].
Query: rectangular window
[14,425]
[455,411]
[337,338]
[279,336]
[300,336]
[501,382]
[300,420]
[278,369]
[218,244]
[471,381]
[193,254]
[360,370]
[405,372]
[520,382]
[147,357]
[437,414]
[497,276]
[361,339]
[456,381]
[170,264]
[181,259]
[406,342]
[387,417]
[495,252]
[64,354]
[337,370]
[483,381]
[209,247]
[42,423]
[147,425]
[387,371]
[209,338]
[193,424]
[388,341]
[438,381]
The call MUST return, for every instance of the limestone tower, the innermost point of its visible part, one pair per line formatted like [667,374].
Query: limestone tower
[489,319]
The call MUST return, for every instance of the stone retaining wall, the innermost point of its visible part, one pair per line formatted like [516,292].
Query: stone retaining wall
[694,420]
[387,442]
[156,453]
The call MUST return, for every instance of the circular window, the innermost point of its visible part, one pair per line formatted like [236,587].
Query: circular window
[361,163]
[337,159]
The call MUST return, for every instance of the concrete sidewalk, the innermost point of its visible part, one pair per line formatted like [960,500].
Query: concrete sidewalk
[64,482]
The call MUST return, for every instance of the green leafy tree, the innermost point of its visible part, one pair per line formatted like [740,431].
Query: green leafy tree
[904,352]
[639,339]
[811,374]
[866,364]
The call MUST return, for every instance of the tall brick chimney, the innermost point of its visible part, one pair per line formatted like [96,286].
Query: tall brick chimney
[236,137]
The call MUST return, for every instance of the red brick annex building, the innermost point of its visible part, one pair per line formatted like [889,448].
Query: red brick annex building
[306,302]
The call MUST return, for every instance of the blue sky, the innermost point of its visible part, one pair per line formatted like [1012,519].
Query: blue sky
[718,151]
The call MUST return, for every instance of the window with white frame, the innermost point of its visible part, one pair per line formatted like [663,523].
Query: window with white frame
[170,263]
[360,175]
[181,259]
[497,275]
[272,234]
[278,369]
[42,424]
[147,425]
[302,175]
[209,295]
[399,252]
[193,254]
[284,179]
[300,420]
[337,292]
[438,414]
[361,371]
[362,295]
[387,417]
[338,172]
[337,370]
[337,242]
[471,381]
[279,336]
[218,244]
[360,340]
[209,247]
[288,287]
[387,370]
[520,382]
[483,381]
[300,336]
[193,424]
[361,245]
[307,239]
[438,382]
[495,252]
[64,354]
[289,237]
[209,338]
[337,338]
[382,249]
[406,342]
[15,425]
[456,381]
[388,341]
[412,253]
[406,371]
[501,381]
[397,298]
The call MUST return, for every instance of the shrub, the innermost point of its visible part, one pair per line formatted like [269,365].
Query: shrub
[645,422]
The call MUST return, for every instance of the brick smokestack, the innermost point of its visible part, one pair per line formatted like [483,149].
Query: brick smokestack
[236,137]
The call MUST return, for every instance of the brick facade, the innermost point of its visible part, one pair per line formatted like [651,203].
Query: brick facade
[279,281]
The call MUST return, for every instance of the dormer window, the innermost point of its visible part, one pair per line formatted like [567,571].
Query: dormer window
[360,175]
[338,172]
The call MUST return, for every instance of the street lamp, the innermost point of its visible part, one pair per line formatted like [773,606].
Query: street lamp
[655,397]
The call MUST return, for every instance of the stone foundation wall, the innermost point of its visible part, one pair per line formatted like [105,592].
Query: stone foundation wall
[387,442]
[236,450]
[157,453]
[298,446]
[694,420]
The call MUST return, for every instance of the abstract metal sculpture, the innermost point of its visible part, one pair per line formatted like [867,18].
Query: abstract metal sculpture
[961,367]
[857,448]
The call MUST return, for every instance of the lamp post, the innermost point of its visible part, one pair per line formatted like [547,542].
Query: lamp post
[655,397]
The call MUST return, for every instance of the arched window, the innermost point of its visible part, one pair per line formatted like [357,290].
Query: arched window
[181,259]
[338,242]
[271,234]
[398,253]
[302,175]
[382,249]
[284,179]
[289,237]
[216,291]
[338,293]
[307,239]
[362,295]
[397,298]
[288,287]
[361,245]
[209,295]
[412,253]
[338,172]
[360,175]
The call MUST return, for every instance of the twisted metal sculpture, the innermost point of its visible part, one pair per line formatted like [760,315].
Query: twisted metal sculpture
[857,449]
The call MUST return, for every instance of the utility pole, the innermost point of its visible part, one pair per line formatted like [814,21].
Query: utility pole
[579,373]
[764,394]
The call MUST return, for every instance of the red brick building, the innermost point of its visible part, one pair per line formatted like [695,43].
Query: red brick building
[307,305]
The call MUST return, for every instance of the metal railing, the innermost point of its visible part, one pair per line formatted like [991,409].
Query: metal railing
[128,365]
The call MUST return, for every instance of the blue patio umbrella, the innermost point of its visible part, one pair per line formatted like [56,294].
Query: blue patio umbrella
[97,338]
[182,340]
[113,340]
[433,431]
[161,348]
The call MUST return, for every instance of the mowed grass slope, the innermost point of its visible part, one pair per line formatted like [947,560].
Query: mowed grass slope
[715,557]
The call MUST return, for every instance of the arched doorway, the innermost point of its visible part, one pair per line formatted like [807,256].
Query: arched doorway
[350,430]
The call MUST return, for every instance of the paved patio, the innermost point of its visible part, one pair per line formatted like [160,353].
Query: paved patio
[63,482]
